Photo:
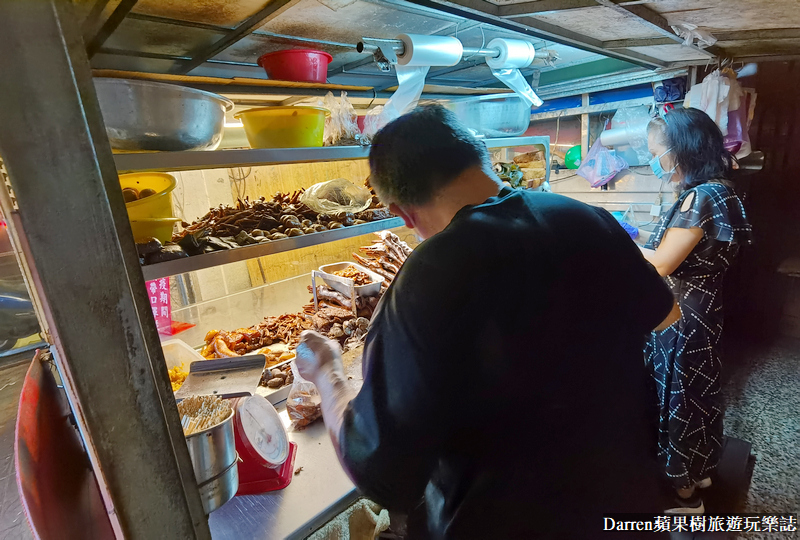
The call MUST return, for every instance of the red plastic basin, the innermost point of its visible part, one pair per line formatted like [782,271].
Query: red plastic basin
[301,65]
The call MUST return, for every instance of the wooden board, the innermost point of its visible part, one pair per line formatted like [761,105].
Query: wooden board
[240,81]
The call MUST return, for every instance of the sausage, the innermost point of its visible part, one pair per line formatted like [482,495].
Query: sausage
[223,351]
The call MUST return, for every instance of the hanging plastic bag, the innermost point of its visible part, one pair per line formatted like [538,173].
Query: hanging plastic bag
[630,123]
[691,34]
[410,82]
[339,195]
[341,127]
[304,404]
[737,140]
[718,94]
[600,165]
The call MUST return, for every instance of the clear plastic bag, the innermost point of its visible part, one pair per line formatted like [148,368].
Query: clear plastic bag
[600,165]
[634,120]
[341,127]
[339,195]
[410,82]
[304,404]
[692,35]
[737,140]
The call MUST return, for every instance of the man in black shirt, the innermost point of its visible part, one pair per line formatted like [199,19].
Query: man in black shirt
[504,386]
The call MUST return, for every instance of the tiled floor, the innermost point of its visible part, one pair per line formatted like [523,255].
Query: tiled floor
[762,389]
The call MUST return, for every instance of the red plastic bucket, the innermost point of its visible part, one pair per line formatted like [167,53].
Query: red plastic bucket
[301,65]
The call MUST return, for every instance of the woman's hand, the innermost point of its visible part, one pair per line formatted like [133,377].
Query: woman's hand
[676,245]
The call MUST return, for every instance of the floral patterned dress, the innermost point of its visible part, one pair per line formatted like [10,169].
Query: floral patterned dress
[684,359]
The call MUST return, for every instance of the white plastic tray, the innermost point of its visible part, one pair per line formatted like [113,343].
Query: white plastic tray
[342,284]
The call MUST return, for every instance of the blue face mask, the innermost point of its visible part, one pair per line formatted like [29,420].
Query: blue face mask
[658,170]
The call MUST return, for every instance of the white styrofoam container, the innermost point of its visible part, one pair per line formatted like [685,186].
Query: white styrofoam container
[177,353]
[339,283]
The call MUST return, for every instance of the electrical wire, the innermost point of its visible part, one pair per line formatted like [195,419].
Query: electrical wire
[240,180]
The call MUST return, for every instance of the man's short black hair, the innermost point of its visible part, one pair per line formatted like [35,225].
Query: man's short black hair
[421,152]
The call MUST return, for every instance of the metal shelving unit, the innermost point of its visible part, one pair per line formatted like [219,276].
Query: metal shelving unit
[186,161]
[217,258]
[191,160]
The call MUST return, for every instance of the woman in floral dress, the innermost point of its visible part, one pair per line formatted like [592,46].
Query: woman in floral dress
[693,246]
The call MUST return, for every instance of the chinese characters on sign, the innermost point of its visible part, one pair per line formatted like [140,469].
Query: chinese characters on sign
[742,523]
[158,291]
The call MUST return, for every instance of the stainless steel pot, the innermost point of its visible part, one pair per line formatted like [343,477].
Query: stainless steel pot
[145,115]
[213,453]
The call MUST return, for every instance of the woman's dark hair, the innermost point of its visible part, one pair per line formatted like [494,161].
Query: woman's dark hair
[421,152]
[697,145]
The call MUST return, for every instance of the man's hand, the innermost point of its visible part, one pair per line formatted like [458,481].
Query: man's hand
[317,355]
[319,360]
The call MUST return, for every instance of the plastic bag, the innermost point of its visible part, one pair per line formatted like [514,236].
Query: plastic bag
[341,127]
[670,90]
[304,404]
[634,122]
[691,33]
[337,195]
[600,165]
[410,82]
[514,79]
[737,140]
[718,94]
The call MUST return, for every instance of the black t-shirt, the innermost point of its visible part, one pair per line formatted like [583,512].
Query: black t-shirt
[504,379]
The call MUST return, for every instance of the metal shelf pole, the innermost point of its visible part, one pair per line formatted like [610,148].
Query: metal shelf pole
[86,271]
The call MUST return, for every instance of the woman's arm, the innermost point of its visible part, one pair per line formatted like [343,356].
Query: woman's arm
[676,245]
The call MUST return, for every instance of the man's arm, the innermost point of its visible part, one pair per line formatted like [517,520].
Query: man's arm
[384,435]
[319,360]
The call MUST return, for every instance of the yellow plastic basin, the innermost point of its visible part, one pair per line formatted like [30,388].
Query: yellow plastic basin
[151,216]
[160,228]
[154,206]
[284,127]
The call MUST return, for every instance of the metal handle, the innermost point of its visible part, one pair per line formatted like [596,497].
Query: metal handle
[373,45]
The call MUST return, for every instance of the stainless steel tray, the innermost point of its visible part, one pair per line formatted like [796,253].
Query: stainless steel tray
[224,377]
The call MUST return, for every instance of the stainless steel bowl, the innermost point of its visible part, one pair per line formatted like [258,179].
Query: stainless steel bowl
[144,115]
[214,459]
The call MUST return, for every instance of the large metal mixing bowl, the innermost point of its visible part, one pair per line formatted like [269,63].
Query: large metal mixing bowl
[144,115]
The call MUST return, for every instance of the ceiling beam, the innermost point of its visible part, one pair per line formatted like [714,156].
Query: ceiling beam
[602,83]
[526,9]
[108,27]
[169,57]
[641,42]
[656,22]
[157,19]
[242,30]
[735,35]
[755,35]
[484,12]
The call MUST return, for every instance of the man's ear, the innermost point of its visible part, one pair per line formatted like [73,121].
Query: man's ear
[408,218]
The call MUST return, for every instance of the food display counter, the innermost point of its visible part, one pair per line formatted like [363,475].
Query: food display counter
[269,316]
[318,492]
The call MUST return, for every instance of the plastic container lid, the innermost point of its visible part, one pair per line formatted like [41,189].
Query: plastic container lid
[261,431]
